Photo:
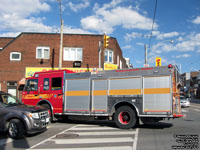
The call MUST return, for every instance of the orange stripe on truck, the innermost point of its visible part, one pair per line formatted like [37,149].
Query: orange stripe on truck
[77,93]
[99,92]
[125,92]
[157,91]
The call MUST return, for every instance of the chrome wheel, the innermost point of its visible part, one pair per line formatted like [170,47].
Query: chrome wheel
[13,130]
[16,129]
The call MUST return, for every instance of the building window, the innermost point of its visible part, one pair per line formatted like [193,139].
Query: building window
[73,54]
[15,56]
[42,52]
[108,56]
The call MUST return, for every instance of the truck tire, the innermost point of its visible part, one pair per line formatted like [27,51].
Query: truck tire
[16,129]
[125,117]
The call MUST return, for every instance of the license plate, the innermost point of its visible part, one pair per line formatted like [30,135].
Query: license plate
[47,120]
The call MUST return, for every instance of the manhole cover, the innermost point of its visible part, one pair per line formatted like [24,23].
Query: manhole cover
[68,135]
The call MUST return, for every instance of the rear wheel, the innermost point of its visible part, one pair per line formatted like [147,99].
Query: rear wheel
[16,129]
[125,117]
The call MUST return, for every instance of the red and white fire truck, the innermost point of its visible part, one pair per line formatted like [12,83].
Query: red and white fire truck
[125,95]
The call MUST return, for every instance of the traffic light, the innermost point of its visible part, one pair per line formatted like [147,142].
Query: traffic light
[158,61]
[106,42]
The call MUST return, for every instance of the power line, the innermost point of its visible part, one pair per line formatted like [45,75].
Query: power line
[154,16]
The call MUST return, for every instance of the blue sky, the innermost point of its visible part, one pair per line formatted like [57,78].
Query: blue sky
[129,21]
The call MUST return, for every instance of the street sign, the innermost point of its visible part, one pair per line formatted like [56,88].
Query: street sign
[158,61]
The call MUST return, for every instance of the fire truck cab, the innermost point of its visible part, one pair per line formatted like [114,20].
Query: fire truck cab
[125,95]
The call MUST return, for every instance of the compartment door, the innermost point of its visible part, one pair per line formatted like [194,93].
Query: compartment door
[157,97]
[99,96]
[77,95]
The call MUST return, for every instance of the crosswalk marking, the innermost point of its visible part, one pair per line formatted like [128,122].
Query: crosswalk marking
[106,133]
[97,128]
[198,106]
[5,141]
[91,140]
[183,110]
[98,148]
[91,137]
[51,137]
[196,110]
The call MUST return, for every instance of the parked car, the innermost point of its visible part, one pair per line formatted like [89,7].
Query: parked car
[18,119]
[184,102]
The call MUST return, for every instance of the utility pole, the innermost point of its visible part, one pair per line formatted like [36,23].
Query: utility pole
[61,36]
[145,53]
[100,44]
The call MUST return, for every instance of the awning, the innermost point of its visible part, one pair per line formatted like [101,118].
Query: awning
[22,81]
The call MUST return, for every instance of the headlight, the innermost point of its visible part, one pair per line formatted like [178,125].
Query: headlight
[34,115]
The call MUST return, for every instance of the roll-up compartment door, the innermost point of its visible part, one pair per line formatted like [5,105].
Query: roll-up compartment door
[77,95]
[99,96]
[157,97]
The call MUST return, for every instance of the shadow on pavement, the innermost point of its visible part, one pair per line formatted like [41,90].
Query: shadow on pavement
[106,123]
[157,125]
[14,144]
[102,123]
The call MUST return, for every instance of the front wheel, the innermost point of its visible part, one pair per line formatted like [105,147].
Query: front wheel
[125,117]
[16,129]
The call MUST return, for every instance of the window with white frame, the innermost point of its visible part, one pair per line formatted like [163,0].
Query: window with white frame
[15,56]
[42,52]
[108,54]
[73,54]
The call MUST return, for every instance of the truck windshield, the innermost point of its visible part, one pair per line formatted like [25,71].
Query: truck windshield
[31,85]
[8,100]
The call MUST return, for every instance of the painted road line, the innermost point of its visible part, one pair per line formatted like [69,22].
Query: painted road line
[135,140]
[92,140]
[105,133]
[51,138]
[5,141]
[196,109]
[96,148]
[183,110]
[96,128]
[195,106]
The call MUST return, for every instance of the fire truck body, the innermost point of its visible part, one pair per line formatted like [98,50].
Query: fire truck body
[126,95]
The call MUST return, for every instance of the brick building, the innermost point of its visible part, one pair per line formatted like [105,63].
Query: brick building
[41,50]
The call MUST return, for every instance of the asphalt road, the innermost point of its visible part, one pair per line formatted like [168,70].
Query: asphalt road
[96,135]
[164,135]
